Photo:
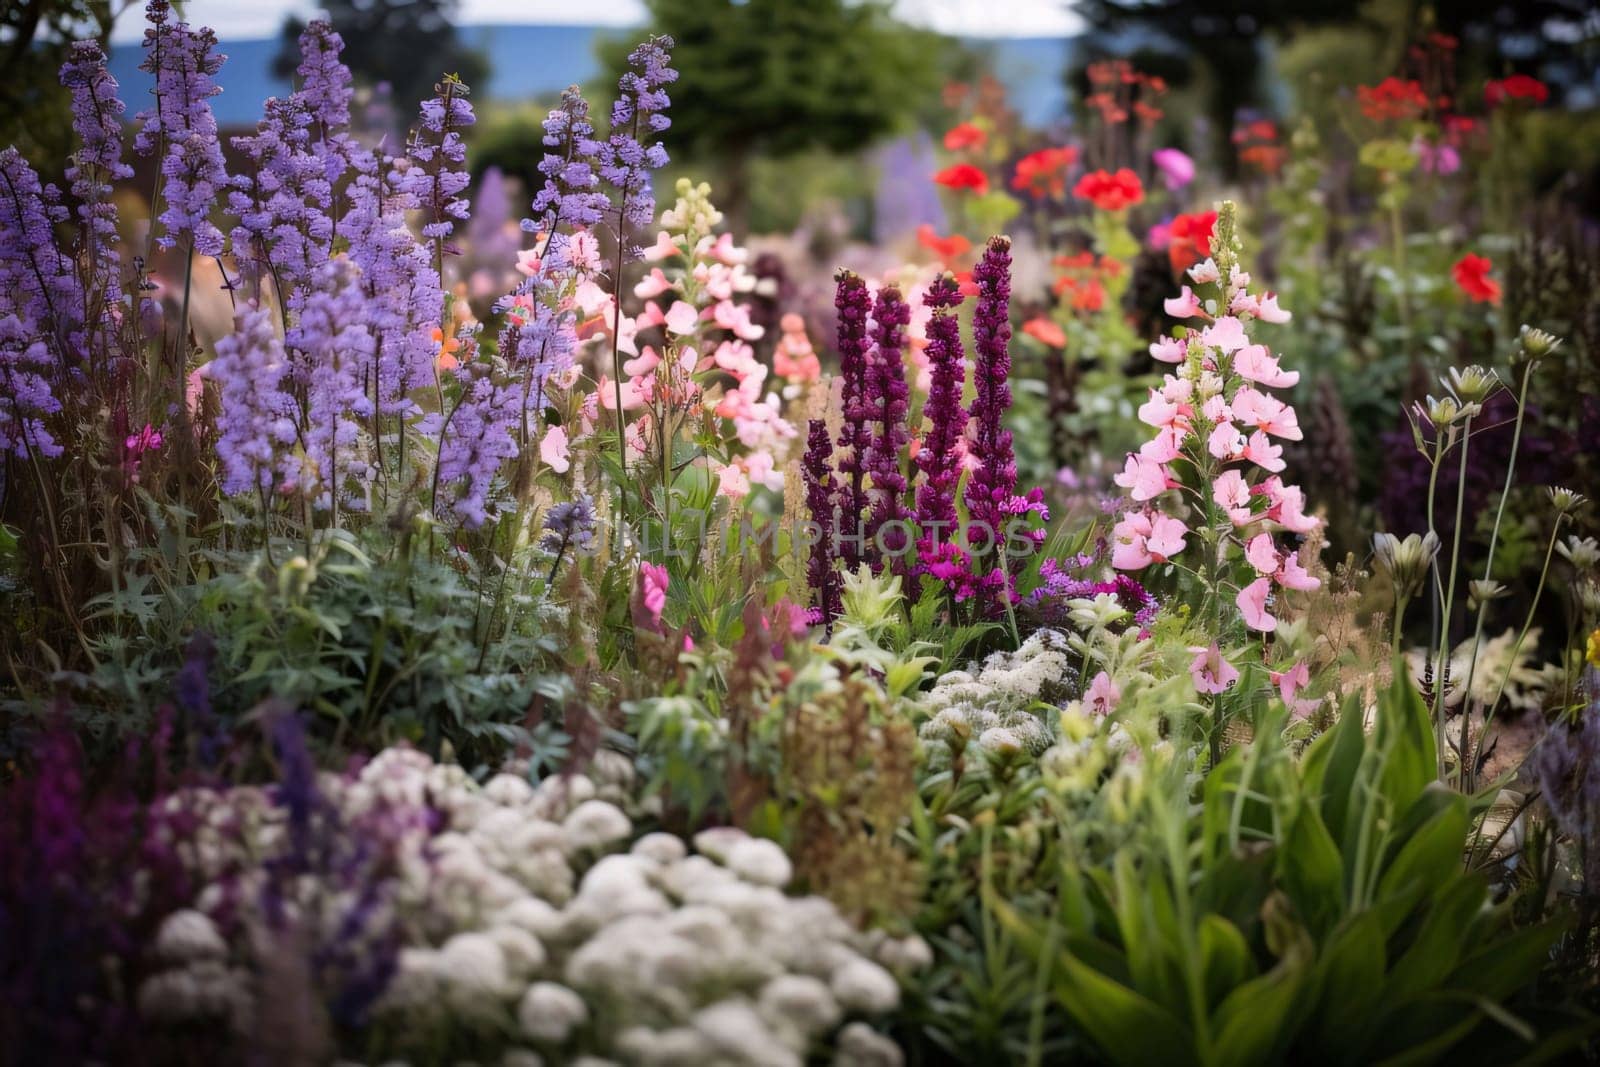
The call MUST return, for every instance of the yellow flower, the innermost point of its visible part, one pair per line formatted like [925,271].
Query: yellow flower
[1594,649]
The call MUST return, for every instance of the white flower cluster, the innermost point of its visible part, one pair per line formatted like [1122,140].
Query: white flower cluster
[533,921]
[998,709]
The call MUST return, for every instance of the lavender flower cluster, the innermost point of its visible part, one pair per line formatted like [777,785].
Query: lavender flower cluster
[342,320]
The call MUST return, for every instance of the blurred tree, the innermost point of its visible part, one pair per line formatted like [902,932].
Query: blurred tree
[775,77]
[35,36]
[1222,36]
[410,44]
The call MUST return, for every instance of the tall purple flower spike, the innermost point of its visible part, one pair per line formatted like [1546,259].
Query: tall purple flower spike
[852,302]
[626,160]
[938,460]
[992,500]
[182,127]
[888,398]
[822,491]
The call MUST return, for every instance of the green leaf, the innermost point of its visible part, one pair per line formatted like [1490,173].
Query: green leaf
[1256,1022]
[1225,958]
[1349,979]
[1432,855]
[1311,871]
[1128,1028]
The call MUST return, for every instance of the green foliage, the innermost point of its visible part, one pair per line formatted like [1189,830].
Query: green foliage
[410,44]
[1313,913]
[776,77]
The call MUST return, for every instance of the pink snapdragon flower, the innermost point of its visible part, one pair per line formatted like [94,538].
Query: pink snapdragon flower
[653,581]
[1102,696]
[1211,671]
[1215,410]
[1252,601]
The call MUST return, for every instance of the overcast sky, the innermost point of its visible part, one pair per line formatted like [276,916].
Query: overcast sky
[245,19]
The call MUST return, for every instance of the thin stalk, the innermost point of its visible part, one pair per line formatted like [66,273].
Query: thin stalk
[1527,624]
[1488,564]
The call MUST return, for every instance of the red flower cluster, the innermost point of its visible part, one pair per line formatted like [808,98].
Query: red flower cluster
[1516,87]
[1472,277]
[963,176]
[1258,146]
[946,248]
[1191,239]
[964,135]
[1082,280]
[1044,173]
[1392,99]
[1044,330]
[1110,192]
[1120,90]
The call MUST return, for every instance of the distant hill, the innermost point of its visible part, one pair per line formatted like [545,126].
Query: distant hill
[532,60]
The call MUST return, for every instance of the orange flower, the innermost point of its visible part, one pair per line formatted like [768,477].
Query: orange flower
[1042,329]
[1044,173]
[1110,192]
[963,176]
[946,248]
[448,347]
[964,135]
[1472,277]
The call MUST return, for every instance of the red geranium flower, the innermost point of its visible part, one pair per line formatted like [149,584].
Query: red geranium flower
[1191,239]
[1392,98]
[1044,173]
[1472,277]
[1110,192]
[945,248]
[964,135]
[963,176]
[1042,329]
[1516,87]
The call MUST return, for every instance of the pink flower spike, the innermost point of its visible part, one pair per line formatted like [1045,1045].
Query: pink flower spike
[1158,411]
[1166,538]
[1211,672]
[1230,491]
[1254,363]
[1262,555]
[1164,447]
[664,248]
[1205,273]
[732,483]
[1269,311]
[1289,683]
[1267,413]
[1183,306]
[1293,576]
[1226,442]
[681,318]
[1102,696]
[725,251]
[1216,409]
[653,581]
[1226,334]
[1170,349]
[1252,601]
[1130,538]
[1144,479]
[553,449]
[653,285]
[1263,453]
